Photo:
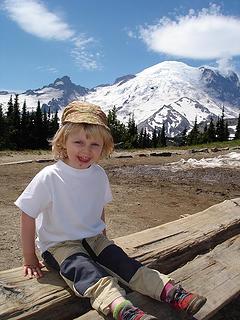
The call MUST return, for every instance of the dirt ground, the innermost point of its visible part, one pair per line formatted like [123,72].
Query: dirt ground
[144,196]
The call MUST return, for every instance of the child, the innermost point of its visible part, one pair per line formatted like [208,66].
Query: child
[66,200]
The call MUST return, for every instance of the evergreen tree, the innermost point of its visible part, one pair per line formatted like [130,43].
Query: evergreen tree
[181,139]
[24,127]
[203,137]
[9,123]
[16,112]
[10,111]
[146,139]
[140,138]
[16,138]
[13,124]
[220,128]
[211,132]
[226,132]
[162,138]
[237,133]
[117,128]
[132,133]
[2,129]
[45,130]
[39,134]
[154,138]
[31,130]
[193,136]
[53,125]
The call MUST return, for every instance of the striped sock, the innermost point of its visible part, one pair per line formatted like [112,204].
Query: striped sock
[117,310]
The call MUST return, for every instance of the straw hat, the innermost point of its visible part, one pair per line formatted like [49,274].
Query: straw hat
[84,112]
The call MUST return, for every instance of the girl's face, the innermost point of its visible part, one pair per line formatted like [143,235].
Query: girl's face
[82,150]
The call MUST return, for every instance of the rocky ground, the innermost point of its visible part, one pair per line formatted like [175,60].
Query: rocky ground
[147,192]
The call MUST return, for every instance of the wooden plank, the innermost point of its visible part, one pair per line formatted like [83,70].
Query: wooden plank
[172,244]
[48,297]
[216,275]
[163,247]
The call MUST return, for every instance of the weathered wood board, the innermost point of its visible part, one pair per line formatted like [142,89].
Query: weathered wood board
[172,244]
[166,247]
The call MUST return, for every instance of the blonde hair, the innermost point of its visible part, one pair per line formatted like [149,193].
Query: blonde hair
[92,130]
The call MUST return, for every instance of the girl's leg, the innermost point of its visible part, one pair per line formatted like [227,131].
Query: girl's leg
[138,277]
[88,279]
[149,281]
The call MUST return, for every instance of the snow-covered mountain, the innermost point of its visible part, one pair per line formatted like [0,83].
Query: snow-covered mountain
[170,92]
[55,95]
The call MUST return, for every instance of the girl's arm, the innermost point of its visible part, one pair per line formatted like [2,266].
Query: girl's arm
[32,266]
[103,219]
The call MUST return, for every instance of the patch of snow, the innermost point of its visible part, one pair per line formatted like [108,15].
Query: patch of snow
[229,160]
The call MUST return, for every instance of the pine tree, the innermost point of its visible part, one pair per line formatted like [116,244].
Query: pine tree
[16,138]
[2,129]
[162,138]
[211,132]
[45,130]
[193,136]
[140,139]
[203,137]
[38,128]
[13,124]
[16,112]
[146,139]
[220,128]
[237,133]
[154,138]
[226,132]
[132,133]
[10,111]
[117,128]
[53,125]
[181,139]
[24,127]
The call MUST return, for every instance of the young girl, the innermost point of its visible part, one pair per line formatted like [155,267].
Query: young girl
[65,203]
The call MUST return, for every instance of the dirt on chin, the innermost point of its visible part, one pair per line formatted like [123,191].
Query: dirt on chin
[144,195]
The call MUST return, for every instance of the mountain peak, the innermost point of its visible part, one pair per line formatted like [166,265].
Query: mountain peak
[65,80]
[124,79]
[165,68]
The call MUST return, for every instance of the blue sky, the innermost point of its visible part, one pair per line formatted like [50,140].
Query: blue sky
[96,41]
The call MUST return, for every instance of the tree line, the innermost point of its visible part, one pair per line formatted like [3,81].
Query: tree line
[127,136]
[22,129]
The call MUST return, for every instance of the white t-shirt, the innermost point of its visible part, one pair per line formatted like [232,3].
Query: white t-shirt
[66,202]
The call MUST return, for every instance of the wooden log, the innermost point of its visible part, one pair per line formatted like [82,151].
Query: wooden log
[168,246]
[165,247]
[215,275]
[161,154]
[47,298]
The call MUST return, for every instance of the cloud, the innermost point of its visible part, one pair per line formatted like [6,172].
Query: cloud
[47,69]
[84,57]
[33,17]
[225,65]
[206,34]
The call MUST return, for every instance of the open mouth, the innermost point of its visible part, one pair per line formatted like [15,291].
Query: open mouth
[84,159]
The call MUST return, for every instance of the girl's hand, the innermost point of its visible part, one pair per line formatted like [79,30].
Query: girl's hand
[32,268]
